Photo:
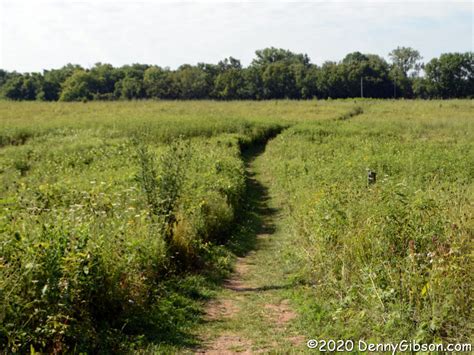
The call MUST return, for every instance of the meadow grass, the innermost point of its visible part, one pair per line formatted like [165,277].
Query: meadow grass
[115,216]
[391,260]
[162,120]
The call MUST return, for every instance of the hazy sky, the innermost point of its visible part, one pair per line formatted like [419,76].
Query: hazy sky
[42,34]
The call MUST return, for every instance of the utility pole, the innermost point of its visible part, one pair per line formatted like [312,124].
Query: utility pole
[361,86]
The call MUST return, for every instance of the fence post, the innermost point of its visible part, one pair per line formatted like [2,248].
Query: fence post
[371,177]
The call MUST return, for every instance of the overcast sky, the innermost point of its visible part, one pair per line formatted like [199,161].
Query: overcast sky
[43,34]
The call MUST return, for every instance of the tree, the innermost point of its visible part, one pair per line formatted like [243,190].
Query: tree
[332,81]
[451,75]
[53,81]
[229,63]
[253,84]
[281,73]
[402,85]
[406,59]
[81,85]
[136,71]
[31,87]
[355,58]
[158,83]
[229,84]
[22,87]
[129,88]
[309,84]
[377,81]
[106,77]
[130,82]
[210,71]
[190,82]
[279,81]
[272,55]
[12,89]
[406,65]
[354,68]
[421,88]
[371,70]
[274,73]
[4,75]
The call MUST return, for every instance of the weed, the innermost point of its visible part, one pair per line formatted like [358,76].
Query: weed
[355,111]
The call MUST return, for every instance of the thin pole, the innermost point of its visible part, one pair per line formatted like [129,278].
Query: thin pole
[361,87]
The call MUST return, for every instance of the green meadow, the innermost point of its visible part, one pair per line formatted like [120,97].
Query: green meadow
[121,221]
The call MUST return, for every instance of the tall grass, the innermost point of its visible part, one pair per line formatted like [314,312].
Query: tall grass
[162,120]
[112,212]
[95,223]
[393,260]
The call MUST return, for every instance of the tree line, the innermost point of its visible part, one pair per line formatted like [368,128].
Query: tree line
[273,74]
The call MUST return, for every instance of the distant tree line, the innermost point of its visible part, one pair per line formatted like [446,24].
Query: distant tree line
[273,74]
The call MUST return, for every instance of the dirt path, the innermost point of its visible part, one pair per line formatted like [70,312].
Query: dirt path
[252,313]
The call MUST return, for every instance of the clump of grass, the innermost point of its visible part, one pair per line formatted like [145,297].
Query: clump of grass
[355,111]
[163,188]
[22,166]
[15,136]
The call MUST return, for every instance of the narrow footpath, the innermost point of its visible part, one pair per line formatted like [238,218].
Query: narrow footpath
[252,313]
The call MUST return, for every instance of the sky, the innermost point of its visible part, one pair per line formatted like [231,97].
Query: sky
[45,34]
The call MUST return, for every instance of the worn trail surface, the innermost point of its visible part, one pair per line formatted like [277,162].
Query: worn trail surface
[252,313]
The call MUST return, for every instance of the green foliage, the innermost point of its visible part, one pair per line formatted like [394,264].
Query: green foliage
[106,76]
[53,79]
[80,86]
[353,112]
[406,59]
[129,88]
[3,77]
[272,55]
[99,232]
[391,260]
[451,75]
[22,87]
[190,83]
[115,216]
[163,187]
[230,84]
[275,73]
[158,83]
[278,81]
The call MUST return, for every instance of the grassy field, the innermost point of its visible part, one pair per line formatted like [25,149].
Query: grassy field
[120,220]
[392,260]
